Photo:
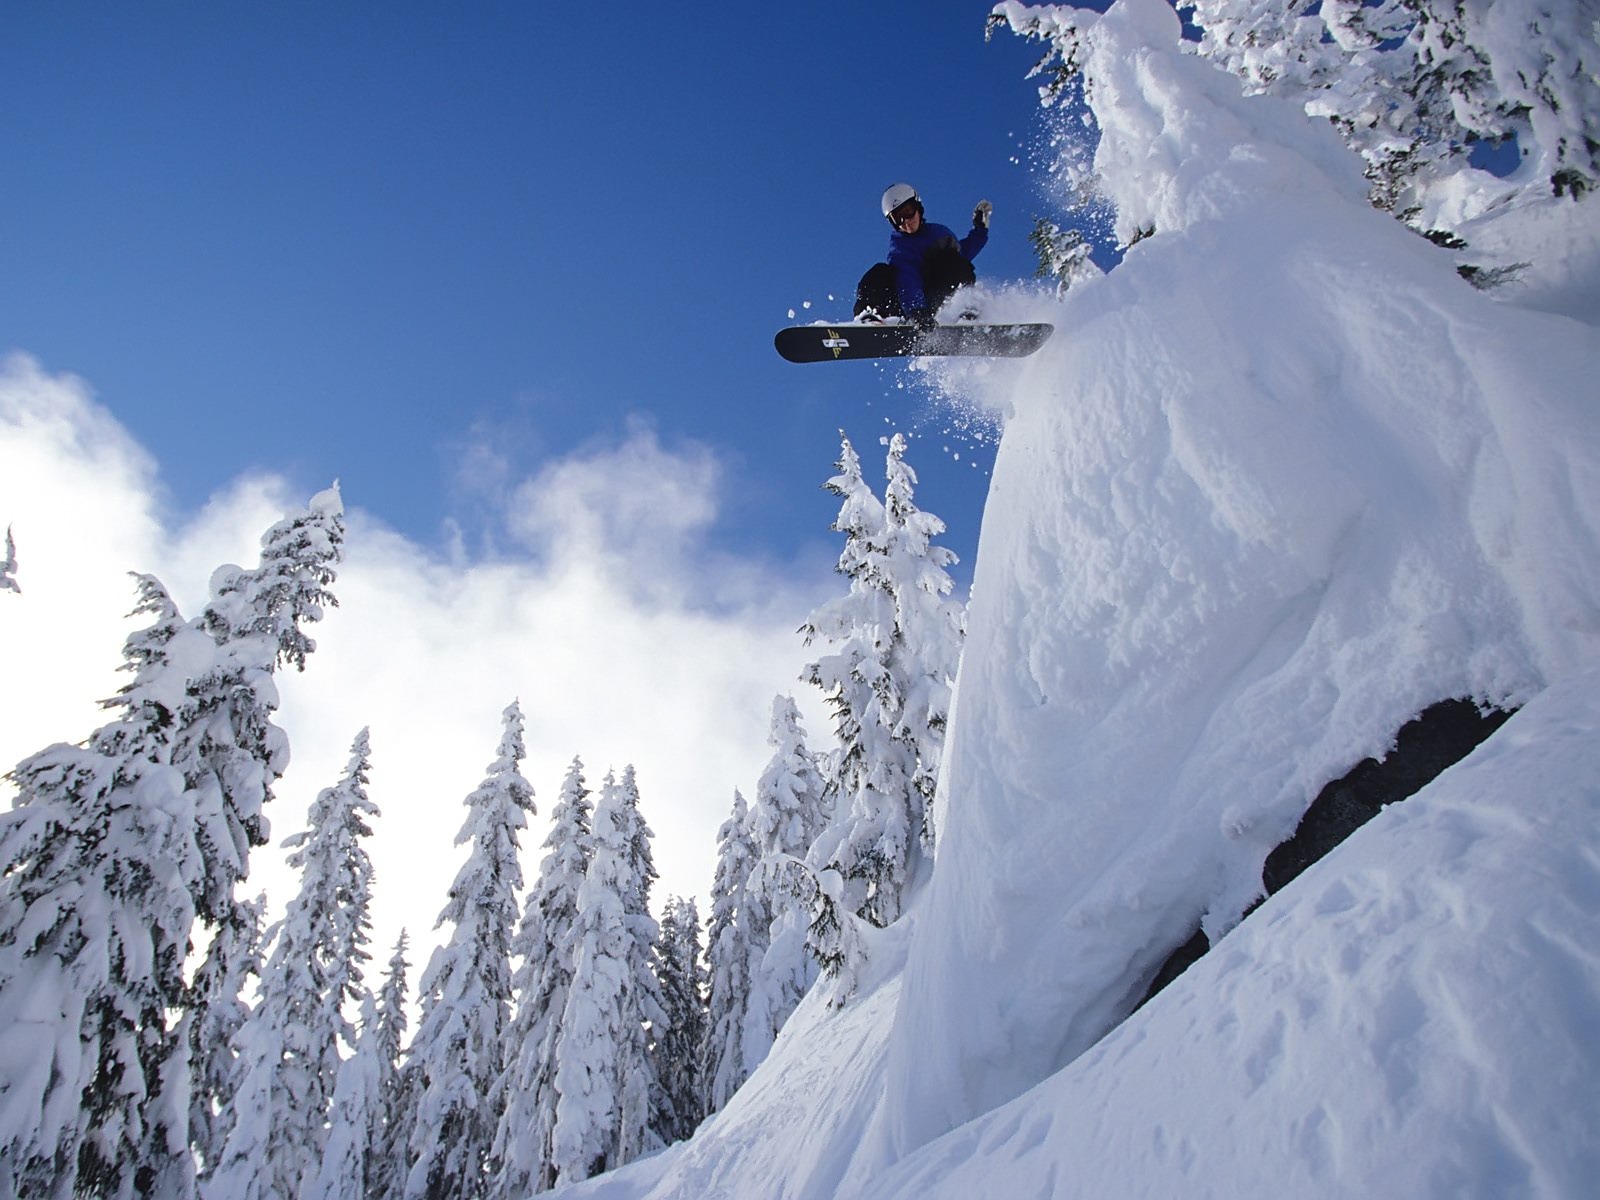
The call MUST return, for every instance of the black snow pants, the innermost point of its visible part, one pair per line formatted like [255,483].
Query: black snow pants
[943,271]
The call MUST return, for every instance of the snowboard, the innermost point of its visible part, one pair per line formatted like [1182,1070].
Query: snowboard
[825,343]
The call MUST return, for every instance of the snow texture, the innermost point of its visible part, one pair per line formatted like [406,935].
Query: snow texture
[1281,480]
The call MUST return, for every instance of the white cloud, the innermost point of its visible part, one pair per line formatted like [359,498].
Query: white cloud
[600,634]
[636,503]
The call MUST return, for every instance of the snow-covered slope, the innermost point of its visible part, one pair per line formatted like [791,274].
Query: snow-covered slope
[1417,1015]
[1281,481]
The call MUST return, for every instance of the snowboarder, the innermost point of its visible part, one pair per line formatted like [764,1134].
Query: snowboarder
[926,263]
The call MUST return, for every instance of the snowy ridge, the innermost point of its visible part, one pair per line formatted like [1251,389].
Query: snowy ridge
[1280,481]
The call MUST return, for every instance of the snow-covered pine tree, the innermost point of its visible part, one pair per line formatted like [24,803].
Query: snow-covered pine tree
[876,831]
[8,566]
[459,1052]
[859,626]
[95,922]
[1357,65]
[641,858]
[290,1045]
[645,1016]
[212,1025]
[387,1131]
[679,1047]
[1063,254]
[603,1072]
[343,1171]
[229,749]
[788,815]
[896,638]
[929,628]
[544,946]
[1412,85]
[1524,68]
[728,956]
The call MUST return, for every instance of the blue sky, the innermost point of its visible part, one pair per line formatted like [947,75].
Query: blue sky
[359,240]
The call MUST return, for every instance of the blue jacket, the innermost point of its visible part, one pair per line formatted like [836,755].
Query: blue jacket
[907,250]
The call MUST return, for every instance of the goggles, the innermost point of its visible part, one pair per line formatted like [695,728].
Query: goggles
[904,213]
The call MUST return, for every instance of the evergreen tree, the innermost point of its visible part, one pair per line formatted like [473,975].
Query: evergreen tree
[95,921]
[1335,60]
[896,639]
[1412,85]
[523,1145]
[929,629]
[788,815]
[729,955]
[459,1052]
[112,851]
[679,1047]
[213,1024]
[345,1166]
[872,839]
[8,566]
[387,1129]
[853,679]
[229,749]
[290,1045]
[230,754]
[1063,254]
[603,1078]
[644,1016]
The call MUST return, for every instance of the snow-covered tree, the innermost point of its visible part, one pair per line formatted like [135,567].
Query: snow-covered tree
[1412,85]
[213,1024]
[1063,254]
[869,778]
[877,827]
[458,1056]
[788,815]
[929,628]
[604,1079]
[387,1129]
[641,858]
[896,639]
[113,850]
[290,1046]
[679,1045]
[8,566]
[95,922]
[729,955]
[342,1173]
[229,754]
[227,746]
[545,947]
[644,1014]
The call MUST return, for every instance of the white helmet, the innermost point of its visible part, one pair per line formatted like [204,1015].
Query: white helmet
[898,194]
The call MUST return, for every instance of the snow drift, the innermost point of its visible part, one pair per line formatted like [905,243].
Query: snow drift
[1281,480]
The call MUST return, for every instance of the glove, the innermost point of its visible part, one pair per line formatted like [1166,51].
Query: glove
[980,215]
[922,319]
